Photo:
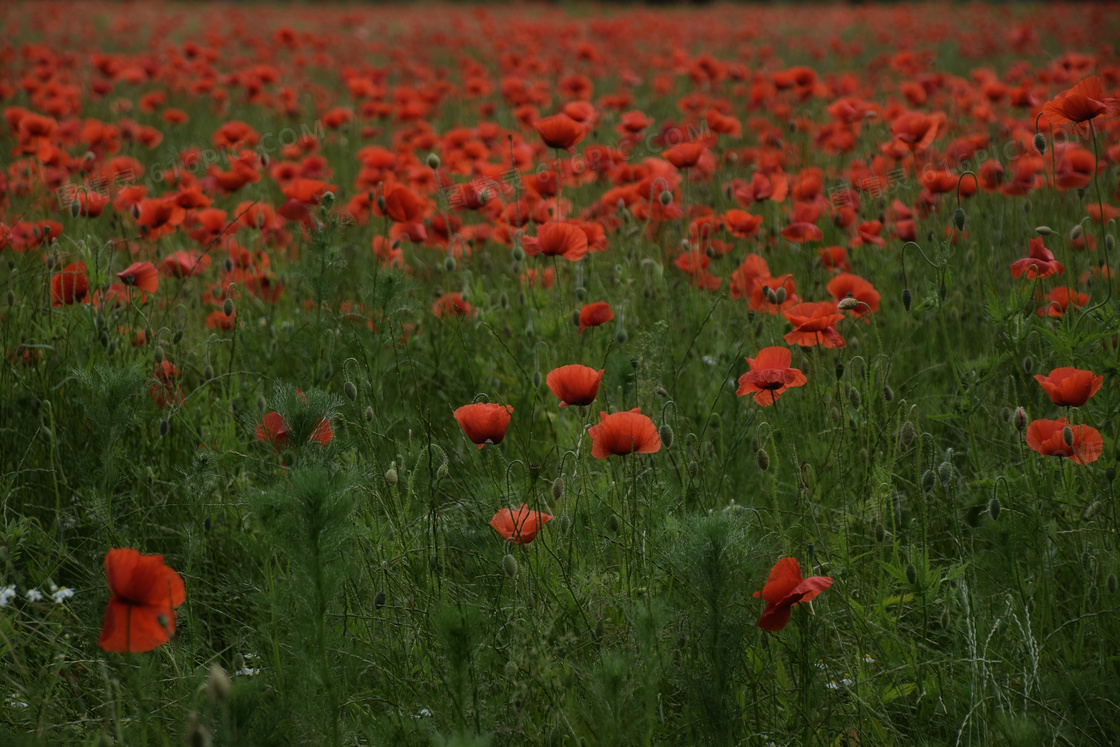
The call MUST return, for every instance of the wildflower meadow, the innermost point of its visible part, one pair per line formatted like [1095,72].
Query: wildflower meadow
[559,374]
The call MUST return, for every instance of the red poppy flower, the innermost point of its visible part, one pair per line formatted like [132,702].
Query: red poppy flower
[402,205]
[274,429]
[785,588]
[1039,263]
[1060,301]
[519,527]
[595,314]
[144,595]
[142,275]
[69,286]
[166,389]
[1070,387]
[1080,103]
[574,384]
[182,264]
[484,422]
[559,131]
[685,155]
[846,285]
[770,375]
[1048,437]
[622,433]
[553,239]
[814,325]
[742,224]
[451,304]
[801,232]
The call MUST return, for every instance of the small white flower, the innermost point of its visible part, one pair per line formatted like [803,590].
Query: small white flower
[61,595]
[424,713]
[15,702]
[34,595]
[246,672]
[867,659]
[7,594]
[708,360]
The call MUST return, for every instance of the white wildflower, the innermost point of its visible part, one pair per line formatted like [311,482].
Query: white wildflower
[7,594]
[34,595]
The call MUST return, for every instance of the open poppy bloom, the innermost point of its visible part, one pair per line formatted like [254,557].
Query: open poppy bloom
[1039,262]
[595,314]
[69,286]
[274,429]
[554,239]
[574,384]
[519,527]
[1081,103]
[847,285]
[814,324]
[770,375]
[685,155]
[142,275]
[622,433]
[1048,437]
[785,588]
[1070,387]
[1062,300]
[141,611]
[484,422]
[559,131]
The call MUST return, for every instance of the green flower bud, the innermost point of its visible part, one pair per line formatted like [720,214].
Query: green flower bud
[959,219]
[509,566]
[666,434]
[911,574]
[994,508]
[763,459]
[1040,143]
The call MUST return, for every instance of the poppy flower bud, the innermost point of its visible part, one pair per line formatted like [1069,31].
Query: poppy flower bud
[441,473]
[771,295]
[907,298]
[1040,143]
[134,209]
[911,574]
[1067,435]
[518,253]
[1109,242]
[433,161]
[1020,416]
[854,398]
[693,469]
[197,734]
[666,434]
[45,435]
[1075,232]
[994,508]
[327,198]
[75,209]
[350,391]
[1028,364]
[942,291]
[928,481]
[888,393]
[227,264]
[1110,583]
[558,488]
[537,379]
[880,532]
[666,197]
[613,523]
[945,473]
[265,160]
[763,459]
[208,372]
[906,435]
[11,298]
[164,427]
[381,203]
[959,218]
[1044,230]
[620,335]
[379,600]
[846,304]
[780,295]
[449,264]
[217,683]
[391,476]
[1092,511]
[157,354]
[509,566]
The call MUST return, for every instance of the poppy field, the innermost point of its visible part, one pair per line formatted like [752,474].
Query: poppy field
[568,375]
